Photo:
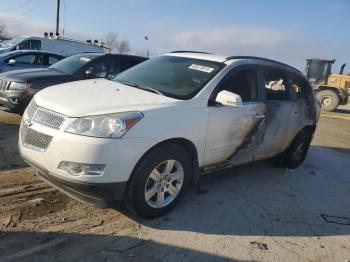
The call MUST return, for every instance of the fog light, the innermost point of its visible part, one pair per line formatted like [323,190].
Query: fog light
[79,169]
[14,100]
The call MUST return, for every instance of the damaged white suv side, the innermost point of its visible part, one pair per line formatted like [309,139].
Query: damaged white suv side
[146,135]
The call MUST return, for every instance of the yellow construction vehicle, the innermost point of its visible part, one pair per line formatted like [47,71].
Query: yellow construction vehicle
[331,89]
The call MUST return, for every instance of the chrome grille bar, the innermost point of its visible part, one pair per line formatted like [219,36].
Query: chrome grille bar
[44,116]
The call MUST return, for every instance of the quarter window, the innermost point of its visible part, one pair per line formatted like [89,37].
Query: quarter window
[275,85]
[299,85]
[52,60]
[243,83]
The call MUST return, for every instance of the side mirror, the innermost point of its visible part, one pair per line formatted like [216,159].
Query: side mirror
[12,62]
[88,74]
[227,98]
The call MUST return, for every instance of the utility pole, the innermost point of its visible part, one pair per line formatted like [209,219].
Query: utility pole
[58,18]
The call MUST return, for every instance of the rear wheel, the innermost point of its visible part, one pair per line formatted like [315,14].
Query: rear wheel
[296,153]
[160,181]
[329,100]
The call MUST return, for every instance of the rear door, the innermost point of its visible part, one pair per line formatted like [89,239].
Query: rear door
[282,112]
[234,132]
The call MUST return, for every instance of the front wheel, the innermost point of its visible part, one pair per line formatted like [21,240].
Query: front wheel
[329,100]
[159,181]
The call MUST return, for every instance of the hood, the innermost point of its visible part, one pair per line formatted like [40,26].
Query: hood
[98,96]
[28,75]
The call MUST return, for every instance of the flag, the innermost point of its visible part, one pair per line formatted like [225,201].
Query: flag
[146,38]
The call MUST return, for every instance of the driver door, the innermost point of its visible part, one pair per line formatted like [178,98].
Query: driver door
[234,132]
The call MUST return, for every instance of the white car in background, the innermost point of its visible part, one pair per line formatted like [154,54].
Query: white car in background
[146,135]
[57,44]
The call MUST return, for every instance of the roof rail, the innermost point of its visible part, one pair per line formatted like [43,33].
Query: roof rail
[259,58]
[185,51]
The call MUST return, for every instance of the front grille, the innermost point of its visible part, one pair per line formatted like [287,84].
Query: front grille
[4,85]
[44,116]
[34,139]
[32,107]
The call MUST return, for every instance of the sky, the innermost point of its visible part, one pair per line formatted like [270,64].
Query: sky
[288,31]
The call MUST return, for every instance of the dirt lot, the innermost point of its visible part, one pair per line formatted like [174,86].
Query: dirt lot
[251,213]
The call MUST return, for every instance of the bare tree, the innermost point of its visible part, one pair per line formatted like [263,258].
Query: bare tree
[111,42]
[3,32]
[124,47]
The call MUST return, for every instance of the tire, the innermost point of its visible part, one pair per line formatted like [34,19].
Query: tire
[296,153]
[329,100]
[147,186]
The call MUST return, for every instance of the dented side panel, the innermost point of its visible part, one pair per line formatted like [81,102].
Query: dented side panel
[282,125]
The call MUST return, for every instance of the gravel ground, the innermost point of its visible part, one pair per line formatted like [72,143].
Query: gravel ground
[251,213]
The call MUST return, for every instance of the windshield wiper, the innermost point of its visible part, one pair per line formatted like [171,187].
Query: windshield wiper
[142,87]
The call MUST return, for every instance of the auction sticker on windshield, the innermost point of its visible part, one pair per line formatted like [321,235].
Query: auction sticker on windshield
[205,69]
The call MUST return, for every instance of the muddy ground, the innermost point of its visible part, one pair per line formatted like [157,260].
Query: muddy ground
[251,213]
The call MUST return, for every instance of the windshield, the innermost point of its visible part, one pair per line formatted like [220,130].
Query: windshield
[73,63]
[177,77]
[12,42]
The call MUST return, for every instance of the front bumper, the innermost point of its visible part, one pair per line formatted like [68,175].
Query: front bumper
[14,101]
[118,155]
[100,195]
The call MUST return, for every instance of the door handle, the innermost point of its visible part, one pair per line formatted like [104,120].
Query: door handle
[259,116]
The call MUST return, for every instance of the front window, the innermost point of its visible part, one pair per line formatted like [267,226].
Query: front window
[73,63]
[11,42]
[177,77]
[30,45]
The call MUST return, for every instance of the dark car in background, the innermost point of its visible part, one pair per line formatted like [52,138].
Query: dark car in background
[25,59]
[18,87]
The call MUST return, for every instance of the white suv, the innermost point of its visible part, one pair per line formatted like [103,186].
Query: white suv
[146,135]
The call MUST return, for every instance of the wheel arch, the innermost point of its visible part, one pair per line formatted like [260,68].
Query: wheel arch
[309,129]
[186,144]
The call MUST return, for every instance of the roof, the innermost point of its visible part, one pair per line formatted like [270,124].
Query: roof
[223,59]
[322,60]
[30,51]
[198,55]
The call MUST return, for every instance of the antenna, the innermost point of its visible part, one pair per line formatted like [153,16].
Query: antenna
[58,18]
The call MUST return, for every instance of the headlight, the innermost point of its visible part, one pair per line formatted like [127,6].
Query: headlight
[107,126]
[18,86]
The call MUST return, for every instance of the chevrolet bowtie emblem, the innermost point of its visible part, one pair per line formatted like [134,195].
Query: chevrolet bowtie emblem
[28,123]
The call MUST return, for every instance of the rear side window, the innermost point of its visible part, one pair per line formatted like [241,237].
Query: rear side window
[299,85]
[126,64]
[53,59]
[243,83]
[276,87]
